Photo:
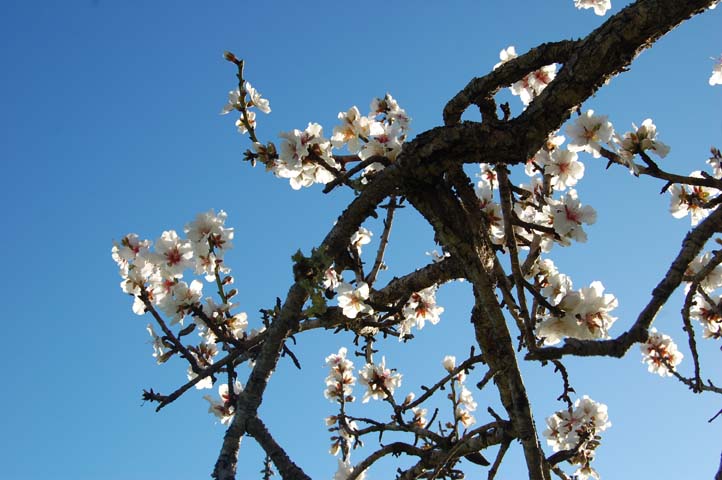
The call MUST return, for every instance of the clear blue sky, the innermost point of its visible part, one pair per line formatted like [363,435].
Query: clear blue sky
[109,124]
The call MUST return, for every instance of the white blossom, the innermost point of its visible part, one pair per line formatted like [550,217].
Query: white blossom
[564,167]
[345,470]
[569,215]
[586,316]
[641,139]
[690,200]
[708,315]
[354,130]
[378,380]
[420,307]
[600,6]
[588,132]
[360,237]
[660,353]
[304,156]
[351,300]
[223,408]
[578,427]
[340,380]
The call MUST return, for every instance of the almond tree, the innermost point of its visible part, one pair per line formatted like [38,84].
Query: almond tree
[496,235]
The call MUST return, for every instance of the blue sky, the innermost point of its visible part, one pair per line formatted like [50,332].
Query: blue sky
[109,124]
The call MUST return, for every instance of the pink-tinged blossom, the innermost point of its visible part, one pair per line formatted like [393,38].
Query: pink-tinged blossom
[354,130]
[223,408]
[537,162]
[129,248]
[385,141]
[487,177]
[135,280]
[172,254]
[593,312]
[578,427]
[420,308]
[331,279]
[303,157]
[569,215]
[660,353]
[690,200]
[379,380]
[641,139]
[184,297]
[204,355]
[340,380]
[351,300]
[564,167]
[708,315]
[532,84]
[716,77]
[210,240]
[208,231]
[586,316]
[388,108]
[235,325]
[600,6]
[588,132]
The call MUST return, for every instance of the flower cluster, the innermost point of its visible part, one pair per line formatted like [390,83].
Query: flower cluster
[379,380]
[641,139]
[241,100]
[585,312]
[420,308]
[704,274]
[340,380]
[153,275]
[532,84]
[339,388]
[660,353]
[577,428]
[305,157]
[460,396]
